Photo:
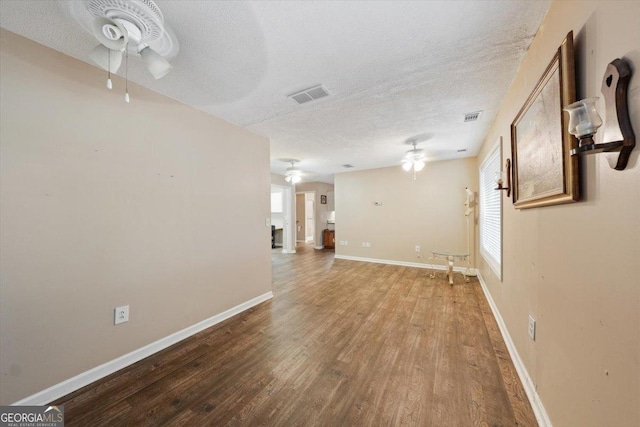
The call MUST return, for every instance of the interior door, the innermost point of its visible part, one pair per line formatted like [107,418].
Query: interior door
[300,218]
[310,221]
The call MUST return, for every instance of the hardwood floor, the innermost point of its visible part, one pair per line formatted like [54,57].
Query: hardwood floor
[341,343]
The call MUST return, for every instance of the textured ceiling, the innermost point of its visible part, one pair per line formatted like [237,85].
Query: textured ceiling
[395,70]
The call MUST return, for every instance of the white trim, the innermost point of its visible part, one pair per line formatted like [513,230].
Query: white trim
[319,247]
[286,251]
[527,382]
[72,384]
[403,263]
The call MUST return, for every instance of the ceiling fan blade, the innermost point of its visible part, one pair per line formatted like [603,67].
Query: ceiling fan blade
[100,55]
[110,33]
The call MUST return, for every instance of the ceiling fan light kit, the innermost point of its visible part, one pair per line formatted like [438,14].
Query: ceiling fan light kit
[293,174]
[156,64]
[414,158]
[124,25]
[106,58]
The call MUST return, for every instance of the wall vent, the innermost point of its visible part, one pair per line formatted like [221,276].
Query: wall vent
[310,94]
[348,166]
[472,117]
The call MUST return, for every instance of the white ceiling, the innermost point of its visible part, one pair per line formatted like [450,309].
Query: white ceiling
[395,70]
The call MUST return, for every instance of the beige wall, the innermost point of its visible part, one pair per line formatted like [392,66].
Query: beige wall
[322,213]
[428,211]
[152,204]
[574,267]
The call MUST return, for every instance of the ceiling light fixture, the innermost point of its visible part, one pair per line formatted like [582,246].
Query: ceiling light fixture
[293,174]
[123,24]
[414,158]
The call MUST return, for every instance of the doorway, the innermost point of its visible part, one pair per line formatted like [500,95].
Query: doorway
[305,217]
[310,217]
[282,216]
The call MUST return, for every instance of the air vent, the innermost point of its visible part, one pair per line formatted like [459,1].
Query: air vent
[472,117]
[310,94]
[462,150]
[348,166]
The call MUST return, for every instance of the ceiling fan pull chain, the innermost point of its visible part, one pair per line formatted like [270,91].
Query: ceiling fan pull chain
[126,74]
[109,84]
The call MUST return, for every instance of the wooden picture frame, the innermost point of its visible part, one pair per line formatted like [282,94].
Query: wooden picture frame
[323,199]
[544,172]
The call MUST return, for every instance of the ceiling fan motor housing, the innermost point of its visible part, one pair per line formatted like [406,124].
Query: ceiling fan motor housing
[144,15]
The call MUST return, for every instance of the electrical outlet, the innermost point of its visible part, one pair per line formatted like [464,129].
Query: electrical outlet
[417,248]
[532,327]
[121,315]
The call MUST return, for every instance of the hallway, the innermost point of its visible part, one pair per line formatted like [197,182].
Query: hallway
[341,343]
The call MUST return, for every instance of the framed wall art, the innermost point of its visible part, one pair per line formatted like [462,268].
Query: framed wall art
[544,172]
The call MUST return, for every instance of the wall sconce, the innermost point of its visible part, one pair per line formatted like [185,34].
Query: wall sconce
[503,176]
[584,119]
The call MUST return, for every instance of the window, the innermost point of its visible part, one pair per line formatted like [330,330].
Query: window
[491,212]
[276,202]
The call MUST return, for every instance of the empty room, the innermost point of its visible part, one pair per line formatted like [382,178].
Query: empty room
[319,213]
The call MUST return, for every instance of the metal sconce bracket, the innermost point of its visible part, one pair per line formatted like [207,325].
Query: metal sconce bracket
[508,178]
[618,133]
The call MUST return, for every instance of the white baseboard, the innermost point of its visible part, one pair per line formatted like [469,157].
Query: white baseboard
[72,384]
[527,382]
[319,247]
[404,263]
[287,251]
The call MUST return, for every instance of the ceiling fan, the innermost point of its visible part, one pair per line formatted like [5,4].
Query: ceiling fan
[124,26]
[293,174]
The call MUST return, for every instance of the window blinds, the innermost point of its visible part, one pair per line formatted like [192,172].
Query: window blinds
[491,213]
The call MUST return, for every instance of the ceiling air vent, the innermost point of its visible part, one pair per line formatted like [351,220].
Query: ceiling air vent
[462,150]
[348,166]
[472,117]
[310,94]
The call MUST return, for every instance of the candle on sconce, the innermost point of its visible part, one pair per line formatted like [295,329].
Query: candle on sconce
[584,119]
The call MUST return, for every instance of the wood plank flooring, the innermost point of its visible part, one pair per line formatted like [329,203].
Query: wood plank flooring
[341,343]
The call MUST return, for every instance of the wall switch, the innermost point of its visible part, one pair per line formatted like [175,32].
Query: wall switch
[267,222]
[368,244]
[377,203]
[417,248]
[121,315]
[346,242]
[532,328]
[364,244]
